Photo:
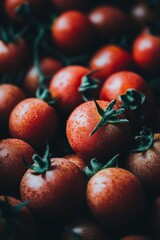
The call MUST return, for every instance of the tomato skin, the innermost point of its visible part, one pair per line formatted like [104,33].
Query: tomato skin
[10,96]
[49,66]
[12,56]
[64,5]
[115,197]
[110,59]
[59,193]
[10,7]
[135,237]
[103,144]
[27,229]
[108,20]
[155,218]
[146,53]
[12,167]
[87,228]
[81,163]
[72,32]
[64,86]
[33,121]
[145,165]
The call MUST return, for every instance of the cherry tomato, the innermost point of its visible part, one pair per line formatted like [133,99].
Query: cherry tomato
[118,83]
[104,143]
[64,87]
[146,53]
[86,228]
[12,56]
[76,160]
[33,121]
[10,96]
[115,197]
[110,59]
[109,21]
[58,193]
[72,32]
[64,5]
[12,167]
[145,165]
[16,221]
[11,6]
[49,66]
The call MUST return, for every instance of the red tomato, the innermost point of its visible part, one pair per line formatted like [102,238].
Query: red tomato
[12,56]
[64,87]
[110,59]
[145,165]
[10,96]
[76,160]
[58,193]
[49,66]
[12,167]
[115,197]
[72,32]
[109,140]
[64,5]
[16,225]
[33,121]
[12,5]
[154,218]
[146,53]
[109,21]
[118,83]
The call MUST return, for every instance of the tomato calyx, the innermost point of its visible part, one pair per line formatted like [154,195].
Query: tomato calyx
[97,166]
[143,141]
[88,84]
[133,100]
[109,115]
[41,164]
[8,215]
[44,94]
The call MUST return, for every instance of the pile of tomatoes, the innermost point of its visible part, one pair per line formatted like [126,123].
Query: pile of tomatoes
[79,120]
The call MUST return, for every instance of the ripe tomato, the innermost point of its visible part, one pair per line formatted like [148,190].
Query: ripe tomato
[58,193]
[64,5]
[104,143]
[110,59]
[72,32]
[33,121]
[115,197]
[109,21]
[146,53]
[76,160]
[49,66]
[64,87]
[135,237]
[145,165]
[10,96]
[118,83]
[16,224]
[12,56]
[11,6]
[86,228]
[12,167]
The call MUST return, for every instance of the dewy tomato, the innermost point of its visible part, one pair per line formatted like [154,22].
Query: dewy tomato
[107,141]
[116,198]
[33,121]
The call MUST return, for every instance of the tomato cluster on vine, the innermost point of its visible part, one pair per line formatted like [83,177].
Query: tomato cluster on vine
[79,120]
